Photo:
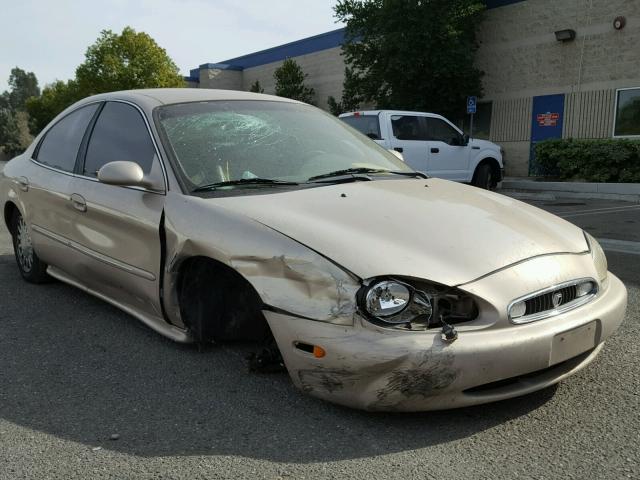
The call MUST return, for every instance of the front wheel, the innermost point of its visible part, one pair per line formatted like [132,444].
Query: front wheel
[31,268]
[484,178]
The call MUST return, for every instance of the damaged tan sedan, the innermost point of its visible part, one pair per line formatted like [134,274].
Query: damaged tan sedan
[219,216]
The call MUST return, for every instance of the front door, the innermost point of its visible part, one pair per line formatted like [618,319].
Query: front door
[118,228]
[546,122]
[448,157]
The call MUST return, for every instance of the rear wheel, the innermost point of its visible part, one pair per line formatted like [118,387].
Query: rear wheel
[31,268]
[484,177]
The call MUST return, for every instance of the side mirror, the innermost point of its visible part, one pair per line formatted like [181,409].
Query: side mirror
[126,174]
[465,140]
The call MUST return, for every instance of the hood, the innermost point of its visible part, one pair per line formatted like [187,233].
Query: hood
[483,144]
[431,229]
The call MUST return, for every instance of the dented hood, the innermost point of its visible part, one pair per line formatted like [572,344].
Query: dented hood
[432,229]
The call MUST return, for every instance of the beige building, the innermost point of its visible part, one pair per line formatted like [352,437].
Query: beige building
[553,68]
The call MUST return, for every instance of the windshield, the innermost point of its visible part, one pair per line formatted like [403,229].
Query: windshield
[226,141]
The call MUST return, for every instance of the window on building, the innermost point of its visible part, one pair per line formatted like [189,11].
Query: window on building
[627,113]
[120,134]
[408,127]
[61,143]
[367,124]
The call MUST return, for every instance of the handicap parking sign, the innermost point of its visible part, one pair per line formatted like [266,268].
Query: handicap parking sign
[471,104]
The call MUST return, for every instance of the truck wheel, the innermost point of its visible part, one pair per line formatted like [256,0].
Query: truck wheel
[483,178]
[32,269]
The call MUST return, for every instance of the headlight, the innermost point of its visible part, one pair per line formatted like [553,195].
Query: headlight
[599,258]
[387,298]
[414,304]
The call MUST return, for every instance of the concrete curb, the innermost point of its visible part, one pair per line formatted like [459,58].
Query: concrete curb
[607,191]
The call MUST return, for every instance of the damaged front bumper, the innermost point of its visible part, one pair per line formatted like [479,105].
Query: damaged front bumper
[374,368]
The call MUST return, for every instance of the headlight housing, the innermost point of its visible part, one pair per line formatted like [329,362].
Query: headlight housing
[599,258]
[413,305]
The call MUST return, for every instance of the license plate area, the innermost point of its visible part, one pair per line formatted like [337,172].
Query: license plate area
[573,342]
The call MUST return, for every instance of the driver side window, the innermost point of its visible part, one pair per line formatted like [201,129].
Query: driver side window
[119,134]
[440,131]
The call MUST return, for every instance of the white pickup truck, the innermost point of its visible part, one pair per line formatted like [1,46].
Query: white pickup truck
[431,144]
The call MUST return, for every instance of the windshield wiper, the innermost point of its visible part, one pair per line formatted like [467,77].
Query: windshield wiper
[350,171]
[243,181]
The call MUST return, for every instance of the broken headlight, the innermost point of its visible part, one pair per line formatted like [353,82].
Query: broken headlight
[414,305]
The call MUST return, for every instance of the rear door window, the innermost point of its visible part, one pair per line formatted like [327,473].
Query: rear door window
[120,134]
[59,148]
[408,127]
[367,124]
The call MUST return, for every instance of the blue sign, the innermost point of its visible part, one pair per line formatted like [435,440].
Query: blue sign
[472,103]
[547,119]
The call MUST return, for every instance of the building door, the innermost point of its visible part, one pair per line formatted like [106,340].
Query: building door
[546,122]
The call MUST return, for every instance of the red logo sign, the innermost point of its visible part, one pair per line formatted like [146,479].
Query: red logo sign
[548,119]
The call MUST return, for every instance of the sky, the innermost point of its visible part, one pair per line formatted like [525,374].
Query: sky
[50,37]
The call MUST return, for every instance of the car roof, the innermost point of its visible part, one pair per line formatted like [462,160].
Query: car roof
[151,97]
[392,112]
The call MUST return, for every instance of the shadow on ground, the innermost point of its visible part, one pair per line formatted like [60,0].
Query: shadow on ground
[81,370]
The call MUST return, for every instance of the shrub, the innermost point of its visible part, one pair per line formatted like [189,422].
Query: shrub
[606,160]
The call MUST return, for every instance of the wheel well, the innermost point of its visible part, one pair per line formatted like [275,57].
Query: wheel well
[219,304]
[492,162]
[9,209]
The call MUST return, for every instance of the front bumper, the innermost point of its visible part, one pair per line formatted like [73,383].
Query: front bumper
[375,368]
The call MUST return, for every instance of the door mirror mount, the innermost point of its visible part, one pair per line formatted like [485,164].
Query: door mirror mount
[124,174]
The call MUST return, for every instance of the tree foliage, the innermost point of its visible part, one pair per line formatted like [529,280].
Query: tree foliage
[350,100]
[256,87]
[290,82]
[412,54]
[14,132]
[125,61]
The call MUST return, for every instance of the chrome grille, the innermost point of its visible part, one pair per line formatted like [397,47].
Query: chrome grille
[544,302]
[551,301]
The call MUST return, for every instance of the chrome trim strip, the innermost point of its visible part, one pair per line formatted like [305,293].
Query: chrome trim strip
[95,255]
[578,302]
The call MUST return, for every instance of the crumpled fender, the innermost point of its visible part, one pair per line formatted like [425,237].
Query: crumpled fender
[287,275]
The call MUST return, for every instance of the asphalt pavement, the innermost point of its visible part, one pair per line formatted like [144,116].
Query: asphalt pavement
[86,391]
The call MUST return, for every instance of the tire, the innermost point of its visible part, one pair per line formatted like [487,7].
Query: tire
[32,269]
[483,178]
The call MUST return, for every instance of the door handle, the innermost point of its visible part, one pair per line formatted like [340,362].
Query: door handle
[78,202]
[435,150]
[23,183]
[399,149]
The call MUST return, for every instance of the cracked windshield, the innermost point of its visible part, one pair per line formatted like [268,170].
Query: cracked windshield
[227,141]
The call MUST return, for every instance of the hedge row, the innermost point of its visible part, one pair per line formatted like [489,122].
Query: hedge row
[606,160]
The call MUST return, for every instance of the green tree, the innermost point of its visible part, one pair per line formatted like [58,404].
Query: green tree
[256,87]
[350,98]
[412,54]
[290,82]
[14,132]
[54,99]
[129,60]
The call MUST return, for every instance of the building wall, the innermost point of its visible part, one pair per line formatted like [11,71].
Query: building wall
[325,70]
[521,59]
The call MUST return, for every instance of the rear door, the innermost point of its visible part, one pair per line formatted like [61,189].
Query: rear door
[45,189]
[118,228]
[448,156]
[408,136]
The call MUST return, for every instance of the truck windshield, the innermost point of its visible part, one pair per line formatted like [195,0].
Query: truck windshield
[367,124]
[223,141]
